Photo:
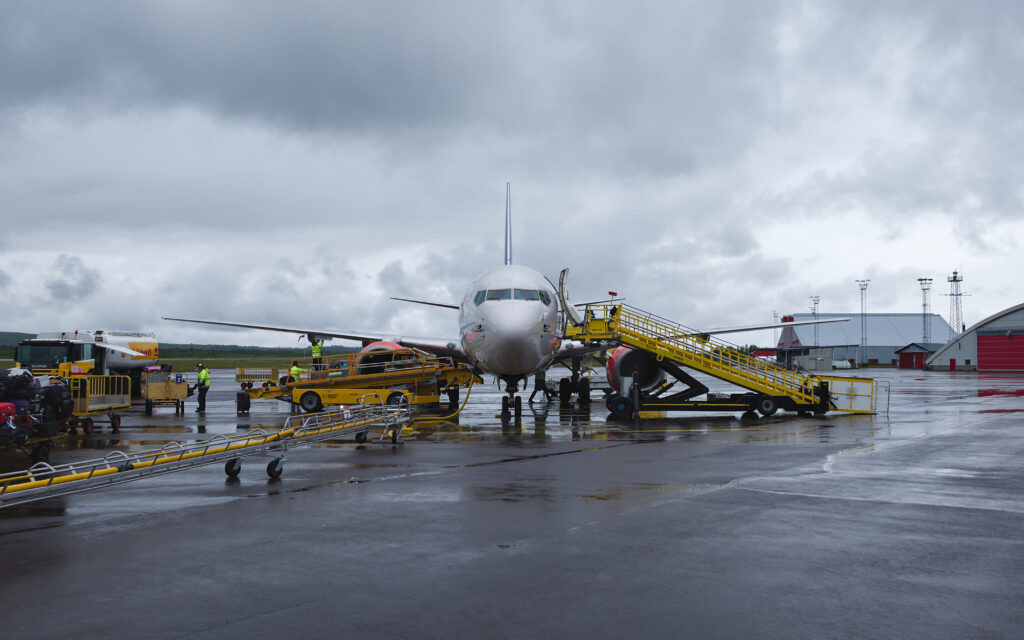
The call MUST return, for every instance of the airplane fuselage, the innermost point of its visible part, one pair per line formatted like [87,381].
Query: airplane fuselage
[508,322]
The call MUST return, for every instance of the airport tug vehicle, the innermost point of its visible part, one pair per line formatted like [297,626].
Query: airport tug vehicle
[652,349]
[389,375]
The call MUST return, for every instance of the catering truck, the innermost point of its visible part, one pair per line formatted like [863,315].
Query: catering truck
[66,353]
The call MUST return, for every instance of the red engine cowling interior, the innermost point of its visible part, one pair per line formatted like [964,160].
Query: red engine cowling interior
[624,361]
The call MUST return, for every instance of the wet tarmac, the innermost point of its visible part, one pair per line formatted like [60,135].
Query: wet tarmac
[900,525]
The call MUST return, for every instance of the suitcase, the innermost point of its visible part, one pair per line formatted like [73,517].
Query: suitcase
[242,401]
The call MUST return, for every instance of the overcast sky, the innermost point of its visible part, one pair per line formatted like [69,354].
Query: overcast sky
[298,163]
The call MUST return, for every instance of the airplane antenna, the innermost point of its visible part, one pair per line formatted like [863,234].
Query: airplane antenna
[508,223]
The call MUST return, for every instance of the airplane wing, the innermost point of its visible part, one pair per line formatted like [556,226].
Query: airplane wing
[365,338]
[758,327]
[438,346]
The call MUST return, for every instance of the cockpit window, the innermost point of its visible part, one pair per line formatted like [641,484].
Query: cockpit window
[527,294]
[499,294]
[478,299]
[545,298]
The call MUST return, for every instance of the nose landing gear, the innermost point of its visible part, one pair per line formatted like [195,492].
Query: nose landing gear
[511,402]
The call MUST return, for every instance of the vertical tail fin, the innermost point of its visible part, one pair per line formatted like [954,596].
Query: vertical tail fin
[508,223]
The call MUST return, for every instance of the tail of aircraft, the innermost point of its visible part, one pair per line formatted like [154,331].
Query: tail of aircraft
[508,223]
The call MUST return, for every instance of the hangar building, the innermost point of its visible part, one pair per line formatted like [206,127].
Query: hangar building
[887,334]
[994,344]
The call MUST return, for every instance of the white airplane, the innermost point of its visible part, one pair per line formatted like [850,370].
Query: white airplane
[509,326]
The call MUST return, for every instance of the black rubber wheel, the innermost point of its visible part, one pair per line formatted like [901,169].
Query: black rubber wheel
[361,437]
[115,422]
[395,431]
[149,407]
[519,407]
[397,399]
[584,391]
[619,405]
[504,405]
[766,406]
[564,390]
[275,467]
[233,467]
[41,452]
[87,426]
[310,402]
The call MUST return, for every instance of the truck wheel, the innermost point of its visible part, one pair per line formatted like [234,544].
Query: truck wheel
[397,399]
[766,406]
[310,402]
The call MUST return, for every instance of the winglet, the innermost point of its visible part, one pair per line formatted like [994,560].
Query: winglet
[508,223]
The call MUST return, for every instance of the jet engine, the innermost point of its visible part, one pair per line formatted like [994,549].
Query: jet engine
[625,360]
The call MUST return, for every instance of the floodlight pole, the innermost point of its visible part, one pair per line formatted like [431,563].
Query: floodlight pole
[863,284]
[926,286]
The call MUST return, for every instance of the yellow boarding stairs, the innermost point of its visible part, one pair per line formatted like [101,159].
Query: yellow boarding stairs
[668,340]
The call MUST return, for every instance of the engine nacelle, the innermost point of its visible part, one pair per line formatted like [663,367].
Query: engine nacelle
[625,360]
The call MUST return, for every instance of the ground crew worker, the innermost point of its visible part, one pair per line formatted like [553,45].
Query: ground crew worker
[540,384]
[293,373]
[202,385]
[317,348]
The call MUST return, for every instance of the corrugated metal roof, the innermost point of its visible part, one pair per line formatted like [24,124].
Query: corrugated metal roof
[884,329]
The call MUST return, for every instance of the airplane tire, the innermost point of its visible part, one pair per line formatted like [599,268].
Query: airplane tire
[310,402]
[564,390]
[519,407]
[766,406]
[504,405]
[584,391]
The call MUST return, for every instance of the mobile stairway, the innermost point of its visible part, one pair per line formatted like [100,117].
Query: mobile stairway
[43,481]
[770,387]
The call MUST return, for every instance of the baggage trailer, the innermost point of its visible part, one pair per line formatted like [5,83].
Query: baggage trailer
[94,396]
[162,388]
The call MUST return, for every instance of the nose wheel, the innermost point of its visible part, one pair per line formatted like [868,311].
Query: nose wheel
[511,402]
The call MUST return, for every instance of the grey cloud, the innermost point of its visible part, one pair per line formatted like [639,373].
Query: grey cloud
[71,281]
[5,280]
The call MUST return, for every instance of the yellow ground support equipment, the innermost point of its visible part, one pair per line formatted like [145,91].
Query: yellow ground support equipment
[94,396]
[161,388]
[43,481]
[773,387]
[403,376]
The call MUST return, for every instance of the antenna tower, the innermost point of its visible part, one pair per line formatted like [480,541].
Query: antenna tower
[926,287]
[814,314]
[863,284]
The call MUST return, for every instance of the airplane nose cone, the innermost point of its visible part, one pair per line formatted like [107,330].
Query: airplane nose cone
[515,320]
